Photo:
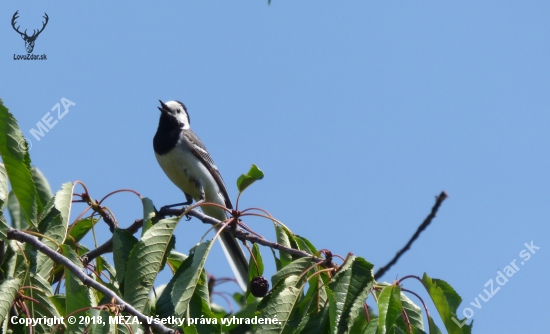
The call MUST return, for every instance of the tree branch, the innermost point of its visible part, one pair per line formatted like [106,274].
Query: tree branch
[14,234]
[438,201]
[107,247]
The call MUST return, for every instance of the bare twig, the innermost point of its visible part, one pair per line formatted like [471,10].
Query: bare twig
[107,247]
[438,200]
[14,234]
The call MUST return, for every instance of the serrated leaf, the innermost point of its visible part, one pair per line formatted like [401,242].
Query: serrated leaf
[351,285]
[17,162]
[145,262]
[199,308]
[9,288]
[53,225]
[296,267]
[63,201]
[414,312]
[371,328]
[245,180]
[283,239]
[389,308]
[316,296]
[123,243]
[79,296]
[175,297]
[304,244]
[279,303]
[446,300]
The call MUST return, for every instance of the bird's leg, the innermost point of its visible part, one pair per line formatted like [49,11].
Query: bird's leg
[163,211]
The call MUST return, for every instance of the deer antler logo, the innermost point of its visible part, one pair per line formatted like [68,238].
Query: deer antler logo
[29,40]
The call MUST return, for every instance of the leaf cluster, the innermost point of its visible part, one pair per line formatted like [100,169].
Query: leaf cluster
[305,295]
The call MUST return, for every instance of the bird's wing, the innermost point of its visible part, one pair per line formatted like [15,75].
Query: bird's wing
[199,150]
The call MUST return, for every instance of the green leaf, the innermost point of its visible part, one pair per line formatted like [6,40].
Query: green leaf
[177,294]
[123,243]
[316,323]
[15,155]
[149,213]
[371,328]
[14,264]
[80,228]
[43,189]
[3,234]
[283,239]
[351,286]
[389,308]
[4,192]
[199,308]
[41,291]
[175,260]
[60,303]
[18,219]
[433,327]
[446,300]
[145,262]
[105,328]
[304,244]
[316,297]
[79,296]
[279,303]
[256,268]
[245,180]
[414,312]
[191,330]
[53,225]
[295,268]
[9,288]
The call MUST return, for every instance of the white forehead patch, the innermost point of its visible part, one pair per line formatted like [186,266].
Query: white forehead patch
[179,111]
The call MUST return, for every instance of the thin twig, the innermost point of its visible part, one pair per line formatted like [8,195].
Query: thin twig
[14,234]
[438,200]
[107,247]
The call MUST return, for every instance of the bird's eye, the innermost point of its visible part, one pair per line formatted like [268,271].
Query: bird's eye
[178,110]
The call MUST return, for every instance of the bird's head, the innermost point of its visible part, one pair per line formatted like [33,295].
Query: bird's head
[176,110]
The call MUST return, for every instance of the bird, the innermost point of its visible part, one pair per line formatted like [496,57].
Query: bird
[186,161]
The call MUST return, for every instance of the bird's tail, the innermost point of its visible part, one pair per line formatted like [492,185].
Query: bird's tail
[231,247]
[236,258]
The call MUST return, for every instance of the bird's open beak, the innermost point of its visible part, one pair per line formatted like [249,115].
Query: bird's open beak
[164,108]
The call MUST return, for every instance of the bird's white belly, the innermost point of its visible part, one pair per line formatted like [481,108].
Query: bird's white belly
[185,170]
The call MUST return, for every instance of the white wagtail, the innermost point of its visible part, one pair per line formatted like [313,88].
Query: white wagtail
[186,162]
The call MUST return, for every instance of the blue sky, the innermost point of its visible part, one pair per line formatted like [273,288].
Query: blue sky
[359,113]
